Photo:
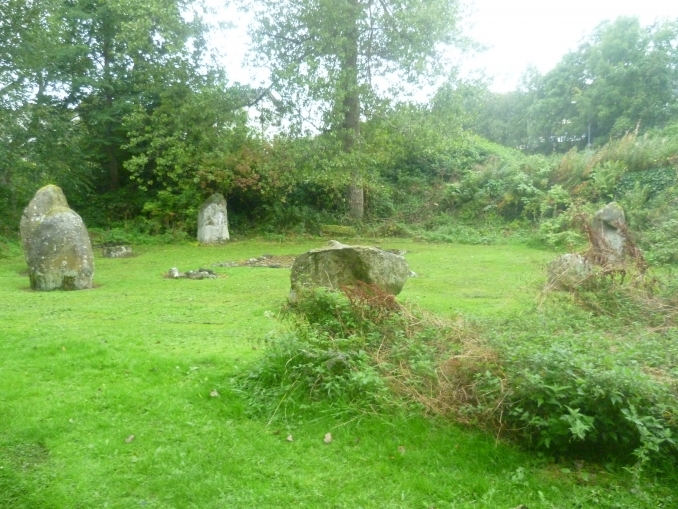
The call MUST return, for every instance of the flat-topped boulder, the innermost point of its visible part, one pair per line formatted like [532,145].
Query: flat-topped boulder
[56,244]
[336,265]
[213,221]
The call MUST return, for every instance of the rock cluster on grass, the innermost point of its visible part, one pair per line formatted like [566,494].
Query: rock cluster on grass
[117,251]
[213,221]
[608,246]
[336,265]
[56,244]
[201,273]
[266,260]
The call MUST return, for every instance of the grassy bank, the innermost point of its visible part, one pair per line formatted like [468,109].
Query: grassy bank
[105,396]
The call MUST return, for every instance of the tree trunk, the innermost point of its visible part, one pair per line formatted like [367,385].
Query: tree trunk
[351,121]
[111,157]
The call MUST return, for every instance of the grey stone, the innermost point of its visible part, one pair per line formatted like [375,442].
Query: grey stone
[200,274]
[337,264]
[213,221]
[225,264]
[568,271]
[606,223]
[116,251]
[56,244]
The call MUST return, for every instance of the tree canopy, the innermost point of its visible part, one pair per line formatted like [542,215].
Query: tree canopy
[327,56]
[622,77]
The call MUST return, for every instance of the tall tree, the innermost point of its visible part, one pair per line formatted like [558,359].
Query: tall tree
[326,55]
[103,94]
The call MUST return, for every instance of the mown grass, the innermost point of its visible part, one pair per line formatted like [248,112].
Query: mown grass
[81,372]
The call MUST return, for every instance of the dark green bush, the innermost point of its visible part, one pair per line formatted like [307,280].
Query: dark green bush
[574,403]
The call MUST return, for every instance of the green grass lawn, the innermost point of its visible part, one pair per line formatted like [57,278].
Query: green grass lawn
[81,372]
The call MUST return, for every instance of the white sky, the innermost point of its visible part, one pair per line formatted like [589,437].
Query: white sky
[517,33]
[539,32]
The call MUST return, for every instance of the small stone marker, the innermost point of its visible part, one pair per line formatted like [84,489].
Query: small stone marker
[56,244]
[213,221]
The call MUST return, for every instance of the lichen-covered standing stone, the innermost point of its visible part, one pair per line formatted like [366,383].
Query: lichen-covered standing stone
[337,265]
[213,221]
[56,244]
[606,223]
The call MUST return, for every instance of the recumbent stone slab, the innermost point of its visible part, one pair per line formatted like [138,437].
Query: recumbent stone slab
[337,264]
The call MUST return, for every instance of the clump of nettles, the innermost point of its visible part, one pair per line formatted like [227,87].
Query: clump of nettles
[362,350]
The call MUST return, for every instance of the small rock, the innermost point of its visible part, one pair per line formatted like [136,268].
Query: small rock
[328,438]
[568,271]
[116,251]
[130,439]
[214,394]
[412,274]
[200,274]
[225,264]
[289,438]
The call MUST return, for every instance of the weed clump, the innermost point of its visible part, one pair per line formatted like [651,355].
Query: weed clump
[360,348]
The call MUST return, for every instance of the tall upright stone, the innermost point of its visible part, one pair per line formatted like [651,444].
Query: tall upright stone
[56,244]
[213,221]
[607,223]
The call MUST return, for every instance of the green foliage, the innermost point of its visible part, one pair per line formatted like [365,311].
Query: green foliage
[653,181]
[618,81]
[572,402]
[590,393]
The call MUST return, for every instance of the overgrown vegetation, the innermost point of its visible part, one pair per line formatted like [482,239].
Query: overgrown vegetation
[565,394]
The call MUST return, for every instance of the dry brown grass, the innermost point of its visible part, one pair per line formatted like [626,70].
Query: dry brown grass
[458,353]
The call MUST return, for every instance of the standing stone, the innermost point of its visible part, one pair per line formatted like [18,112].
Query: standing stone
[606,223]
[213,221]
[337,265]
[56,244]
